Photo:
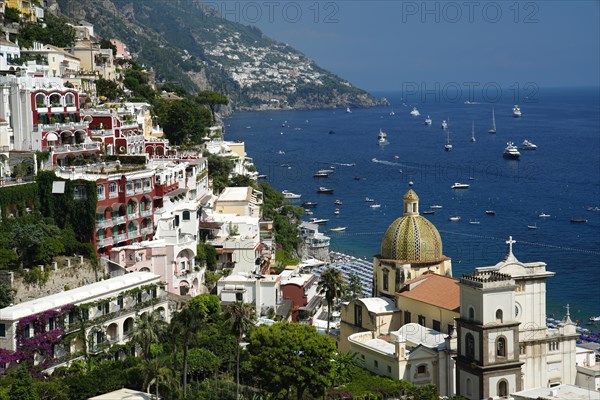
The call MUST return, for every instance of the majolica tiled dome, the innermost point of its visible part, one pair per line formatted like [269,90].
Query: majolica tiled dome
[411,237]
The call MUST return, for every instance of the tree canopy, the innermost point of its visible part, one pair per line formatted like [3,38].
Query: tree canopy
[212,99]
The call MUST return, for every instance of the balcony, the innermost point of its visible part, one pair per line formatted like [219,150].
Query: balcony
[129,125]
[101,132]
[73,148]
[146,213]
[104,223]
[119,220]
[120,238]
[133,235]
[129,192]
[147,231]
[133,216]
[105,242]
[73,126]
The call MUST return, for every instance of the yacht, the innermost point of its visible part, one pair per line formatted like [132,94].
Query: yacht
[435,206]
[392,113]
[323,189]
[544,215]
[382,137]
[490,212]
[458,185]
[427,121]
[527,145]
[511,151]
[444,125]
[336,212]
[369,200]
[516,111]
[455,218]
[474,222]
[338,229]
[448,146]
[534,226]
[348,110]
[289,195]
[318,220]
[578,220]
[321,174]
[337,202]
[428,212]
[415,112]
[308,212]
[376,205]
[309,204]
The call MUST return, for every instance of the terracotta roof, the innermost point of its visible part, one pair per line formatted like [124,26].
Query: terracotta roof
[437,290]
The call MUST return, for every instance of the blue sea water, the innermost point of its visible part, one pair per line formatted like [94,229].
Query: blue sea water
[560,178]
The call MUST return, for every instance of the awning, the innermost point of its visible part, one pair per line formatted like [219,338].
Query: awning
[52,137]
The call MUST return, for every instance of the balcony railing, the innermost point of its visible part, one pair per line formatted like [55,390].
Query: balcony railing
[146,213]
[63,126]
[129,125]
[119,220]
[134,215]
[147,231]
[70,148]
[104,223]
[133,235]
[101,132]
[105,242]
[120,238]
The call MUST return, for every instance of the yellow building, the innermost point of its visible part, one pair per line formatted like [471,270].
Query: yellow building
[29,11]
[244,201]
[410,247]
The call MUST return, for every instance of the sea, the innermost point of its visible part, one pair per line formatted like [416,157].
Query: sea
[561,178]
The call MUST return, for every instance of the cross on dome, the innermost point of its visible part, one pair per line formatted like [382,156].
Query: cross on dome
[510,242]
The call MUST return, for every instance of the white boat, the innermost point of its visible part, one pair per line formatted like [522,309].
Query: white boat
[338,202]
[493,128]
[376,205]
[511,151]
[308,211]
[348,110]
[392,113]
[455,218]
[458,185]
[473,131]
[323,189]
[427,121]
[415,112]
[544,215]
[281,152]
[490,212]
[516,111]
[595,319]
[338,229]
[448,146]
[534,226]
[444,124]
[435,206]
[474,222]
[317,220]
[289,195]
[382,137]
[369,200]
[321,174]
[527,145]
[336,212]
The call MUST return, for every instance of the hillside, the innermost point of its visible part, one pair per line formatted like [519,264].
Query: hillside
[191,45]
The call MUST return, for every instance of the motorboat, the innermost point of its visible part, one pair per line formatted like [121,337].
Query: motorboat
[309,204]
[455,218]
[448,145]
[534,226]
[594,209]
[308,212]
[511,152]
[474,222]
[382,137]
[427,212]
[348,110]
[444,125]
[336,211]
[323,189]
[369,200]
[493,128]
[427,121]
[490,212]
[321,174]
[516,111]
[262,176]
[436,206]
[392,113]
[376,205]
[595,319]
[544,215]
[281,152]
[415,112]
[338,202]
[289,195]
[527,145]
[338,229]
[578,220]
[318,220]
[458,185]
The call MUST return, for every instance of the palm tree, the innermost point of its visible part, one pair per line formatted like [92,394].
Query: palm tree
[156,373]
[187,322]
[331,285]
[147,330]
[241,317]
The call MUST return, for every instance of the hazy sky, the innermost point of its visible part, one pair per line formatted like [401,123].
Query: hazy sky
[387,45]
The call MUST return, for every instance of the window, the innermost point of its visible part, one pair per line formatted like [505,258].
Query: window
[470,346]
[422,320]
[51,323]
[177,220]
[386,274]
[186,216]
[71,317]
[27,331]
[2,330]
[120,302]
[239,297]
[357,315]
[450,329]
[376,364]
[503,388]
[101,191]
[522,349]
[112,187]
[407,317]
[85,314]
[139,297]
[501,347]
[471,313]
[422,369]
[553,346]
[469,387]
[499,315]
[437,326]
[389,369]
[138,185]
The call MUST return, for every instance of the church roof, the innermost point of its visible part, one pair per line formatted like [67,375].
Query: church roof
[378,304]
[438,290]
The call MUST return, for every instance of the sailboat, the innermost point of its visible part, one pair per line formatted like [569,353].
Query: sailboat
[473,131]
[392,113]
[493,128]
[448,146]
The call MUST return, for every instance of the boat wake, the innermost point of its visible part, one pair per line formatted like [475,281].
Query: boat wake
[343,164]
[393,164]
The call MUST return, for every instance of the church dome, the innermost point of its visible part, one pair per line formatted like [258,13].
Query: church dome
[411,237]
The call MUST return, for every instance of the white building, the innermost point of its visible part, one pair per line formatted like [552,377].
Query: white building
[47,321]
[262,290]
[8,52]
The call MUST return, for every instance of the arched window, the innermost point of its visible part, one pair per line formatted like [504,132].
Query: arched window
[469,346]
[503,388]
[501,347]
[70,99]
[55,100]
[469,387]
[386,279]
[40,100]
[186,216]
[471,313]
[499,316]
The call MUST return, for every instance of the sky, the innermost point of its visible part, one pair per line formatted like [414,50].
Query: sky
[394,45]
